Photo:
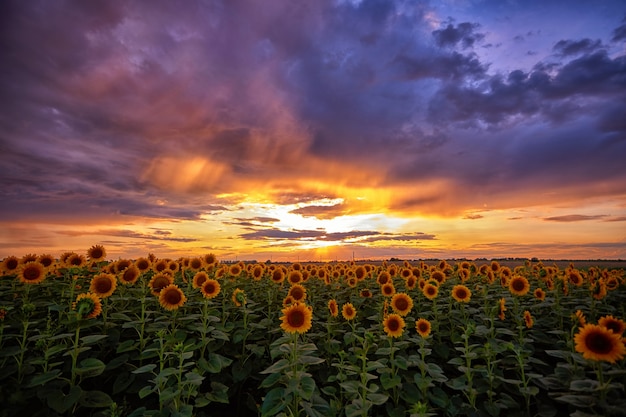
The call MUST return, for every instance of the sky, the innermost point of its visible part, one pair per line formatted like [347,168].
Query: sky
[314,130]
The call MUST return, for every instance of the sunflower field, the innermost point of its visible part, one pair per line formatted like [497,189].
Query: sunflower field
[83,335]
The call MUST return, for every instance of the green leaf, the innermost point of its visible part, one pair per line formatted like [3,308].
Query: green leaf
[145,368]
[218,394]
[60,402]
[401,363]
[578,401]
[270,380]
[377,398]
[278,366]
[95,399]
[274,402]
[126,346]
[389,381]
[307,387]
[43,378]
[90,367]
[585,385]
[145,391]
[91,339]
[350,387]
[215,363]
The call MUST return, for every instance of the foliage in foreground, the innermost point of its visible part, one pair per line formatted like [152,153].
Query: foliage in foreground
[195,337]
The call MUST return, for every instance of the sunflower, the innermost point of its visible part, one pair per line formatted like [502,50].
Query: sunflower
[438,276]
[464,274]
[195,263]
[401,303]
[410,282]
[461,293]
[10,264]
[405,273]
[278,275]
[598,289]
[121,265]
[210,288]
[31,273]
[393,325]
[87,305]
[160,281]
[297,292]
[173,266]
[502,306]
[103,285]
[332,307]
[348,311]
[296,318]
[580,317]
[239,297]
[288,300]
[76,260]
[495,266]
[199,278]
[96,253]
[598,343]
[528,319]
[257,272]
[383,278]
[365,293]
[539,294]
[160,265]
[130,275]
[423,327]
[46,260]
[430,291]
[209,260]
[614,324]
[519,285]
[574,277]
[360,272]
[388,289]
[172,297]
[235,270]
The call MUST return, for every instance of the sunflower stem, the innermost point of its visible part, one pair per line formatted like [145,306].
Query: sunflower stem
[75,353]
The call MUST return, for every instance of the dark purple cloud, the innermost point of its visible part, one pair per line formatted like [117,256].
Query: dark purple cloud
[570,47]
[464,34]
[575,218]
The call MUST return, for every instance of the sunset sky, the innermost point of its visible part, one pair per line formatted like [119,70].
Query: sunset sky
[314,130]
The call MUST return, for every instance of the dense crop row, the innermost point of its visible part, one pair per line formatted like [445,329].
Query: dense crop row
[81,335]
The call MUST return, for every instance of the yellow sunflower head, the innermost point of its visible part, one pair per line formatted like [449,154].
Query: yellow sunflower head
[614,324]
[383,278]
[528,319]
[393,325]
[401,303]
[598,343]
[160,281]
[10,264]
[388,289]
[172,297]
[423,327]
[461,293]
[278,276]
[31,273]
[430,291]
[297,292]
[239,297]
[365,293]
[348,311]
[46,260]
[296,318]
[209,260]
[519,285]
[103,285]
[199,278]
[539,294]
[96,253]
[210,288]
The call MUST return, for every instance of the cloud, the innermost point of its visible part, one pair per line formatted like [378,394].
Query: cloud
[322,212]
[464,33]
[574,218]
[157,235]
[570,47]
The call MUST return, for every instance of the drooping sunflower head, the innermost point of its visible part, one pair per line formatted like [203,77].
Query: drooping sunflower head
[464,274]
[199,278]
[614,324]
[296,318]
[430,291]
[348,311]
[423,327]
[160,281]
[598,343]
[461,293]
[393,325]
[172,297]
[239,297]
[130,275]
[401,303]
[87,305]
[210,288]
[579,316]
[31,273]
[502,308]
[519,285]
[103,285]
[528,319]
[332,308]
[96,253]
[297,292]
